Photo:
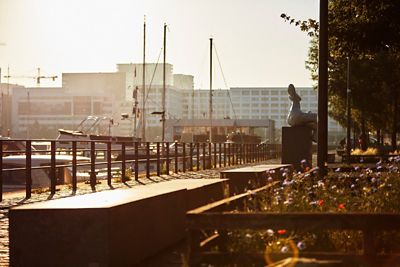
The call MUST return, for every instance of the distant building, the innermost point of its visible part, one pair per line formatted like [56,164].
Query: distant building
[112,94]
[6,91]
[183,81]
[253,103]
[174,83]
[39,112]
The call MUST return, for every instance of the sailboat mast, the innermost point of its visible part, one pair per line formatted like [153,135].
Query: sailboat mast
[144,83]
[210,105]
[164,89]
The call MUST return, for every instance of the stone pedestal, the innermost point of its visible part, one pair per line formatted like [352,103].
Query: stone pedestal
[296,145]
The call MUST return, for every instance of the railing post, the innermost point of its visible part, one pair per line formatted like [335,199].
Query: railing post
[136,161]
[184,157]
[123,163]
[224,154]
[198,156]
[176,157]
[252,153]
[167,156]
[53,171]
[1,170]
[215,155]
[246,159]
[241,153]
[74,167]
[229,154]
[191,156]
[204,156]
[219,155]
[158,159]
[237,153]
[109,175]
[209,156]
[28,186]
[148,159]
[93,165]
[233,153]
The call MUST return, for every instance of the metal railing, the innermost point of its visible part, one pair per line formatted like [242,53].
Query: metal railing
[143,159]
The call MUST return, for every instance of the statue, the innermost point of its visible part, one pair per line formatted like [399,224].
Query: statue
[296,117]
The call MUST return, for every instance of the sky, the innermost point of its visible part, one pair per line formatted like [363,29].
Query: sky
[255,47]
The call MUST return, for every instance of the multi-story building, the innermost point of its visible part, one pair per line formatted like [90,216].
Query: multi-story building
[40,112]
[253,103]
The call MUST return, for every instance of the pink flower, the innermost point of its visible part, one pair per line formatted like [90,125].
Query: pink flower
[321,202]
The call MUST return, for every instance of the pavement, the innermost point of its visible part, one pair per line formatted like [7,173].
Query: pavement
[11,199]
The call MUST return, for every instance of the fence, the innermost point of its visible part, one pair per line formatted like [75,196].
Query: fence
[142,158]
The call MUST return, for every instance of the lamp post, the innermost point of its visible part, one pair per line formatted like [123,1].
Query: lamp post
[348,109]
[322,157]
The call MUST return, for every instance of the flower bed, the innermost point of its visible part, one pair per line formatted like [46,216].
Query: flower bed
[360,190]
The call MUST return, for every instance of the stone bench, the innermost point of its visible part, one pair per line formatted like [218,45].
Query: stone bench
[109,228]
[242,179]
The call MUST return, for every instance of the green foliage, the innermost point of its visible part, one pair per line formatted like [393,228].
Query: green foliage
[367,33]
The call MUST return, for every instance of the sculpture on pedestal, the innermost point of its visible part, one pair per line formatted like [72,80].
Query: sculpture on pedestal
[296,117]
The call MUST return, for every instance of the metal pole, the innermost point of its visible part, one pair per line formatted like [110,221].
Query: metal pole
[184,157]
[1,170]
[323,88]
[348,142]
[28,164]
[93,165]
[144,83]
[147,159]
[167,157]
[164,90]
[136,161]
[191,156]
[158,159]
[53,170]
[123,163]
[211,109]
[109,175]
[74,167]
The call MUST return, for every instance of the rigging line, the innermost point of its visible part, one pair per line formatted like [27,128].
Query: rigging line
[226,84]
[148,91]
[220,66]
[152,78]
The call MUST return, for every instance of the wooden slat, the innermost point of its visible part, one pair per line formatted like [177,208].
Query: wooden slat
[315,257]
[228,200]
[293,220]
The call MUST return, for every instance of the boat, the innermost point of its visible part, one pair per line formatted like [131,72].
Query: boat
[93,128]
[14,167]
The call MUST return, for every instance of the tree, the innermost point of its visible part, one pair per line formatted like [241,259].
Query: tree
[367,32]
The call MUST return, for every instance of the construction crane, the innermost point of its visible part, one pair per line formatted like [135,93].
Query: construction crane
[37,78]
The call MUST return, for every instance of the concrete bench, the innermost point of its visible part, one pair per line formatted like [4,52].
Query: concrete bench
[109,228]
[241,179]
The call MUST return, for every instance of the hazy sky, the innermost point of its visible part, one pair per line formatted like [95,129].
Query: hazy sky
[255,46]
